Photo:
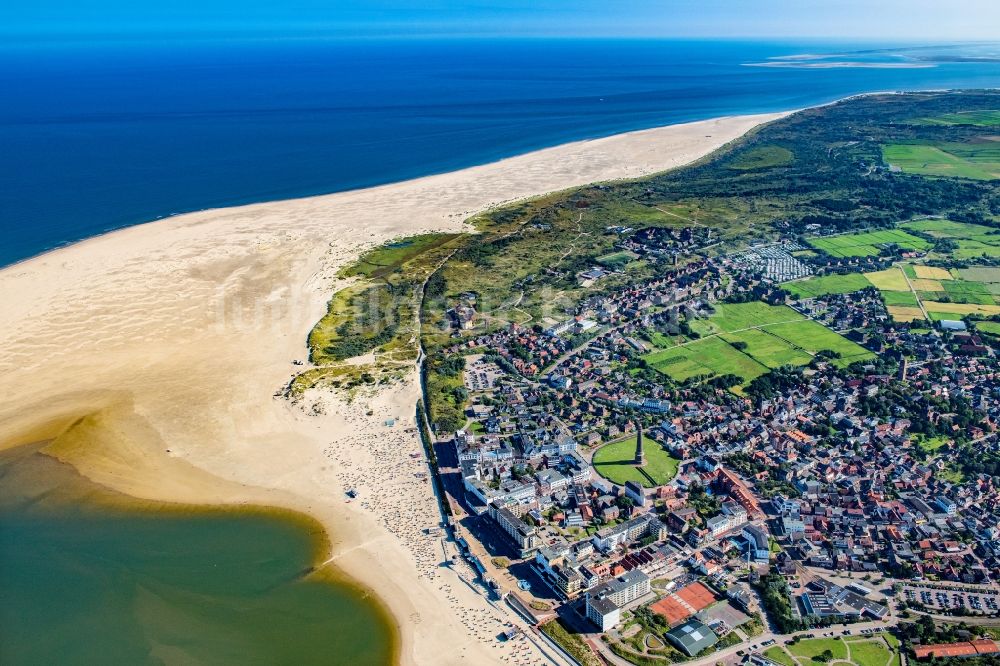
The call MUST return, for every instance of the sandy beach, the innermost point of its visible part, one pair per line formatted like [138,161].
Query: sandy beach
[152,355]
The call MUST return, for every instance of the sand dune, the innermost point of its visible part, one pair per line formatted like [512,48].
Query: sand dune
[153,353]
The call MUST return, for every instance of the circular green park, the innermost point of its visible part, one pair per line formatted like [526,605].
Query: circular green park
[616,463]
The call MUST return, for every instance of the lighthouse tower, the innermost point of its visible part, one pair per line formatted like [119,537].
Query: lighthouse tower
[640,456]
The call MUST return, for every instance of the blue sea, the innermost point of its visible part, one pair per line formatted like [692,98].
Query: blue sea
[98,136]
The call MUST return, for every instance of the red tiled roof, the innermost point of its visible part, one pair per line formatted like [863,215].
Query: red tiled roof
[968,648]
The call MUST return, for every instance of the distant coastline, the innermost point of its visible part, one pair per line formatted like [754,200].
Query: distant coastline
[297,119]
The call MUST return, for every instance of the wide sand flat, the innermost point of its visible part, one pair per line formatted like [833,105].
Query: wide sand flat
[152,355]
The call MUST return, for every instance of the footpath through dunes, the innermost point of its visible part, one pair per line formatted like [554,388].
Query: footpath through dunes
[164,344]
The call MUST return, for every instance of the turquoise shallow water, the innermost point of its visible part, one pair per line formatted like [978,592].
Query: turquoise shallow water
[90,577]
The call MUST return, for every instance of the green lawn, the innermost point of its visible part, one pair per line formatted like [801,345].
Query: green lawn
[827,284]
[979,161]
[873,652]
[813,647]
[779,655]
[615,462]
[930,444]
[866,244]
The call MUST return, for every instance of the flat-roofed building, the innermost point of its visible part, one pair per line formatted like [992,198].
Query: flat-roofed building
[525,536]
[692,637]
[605,601]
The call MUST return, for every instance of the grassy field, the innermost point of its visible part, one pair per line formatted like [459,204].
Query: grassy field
[983,274]
[762,158]
[973,240]
[768,349]
[985,118]
[891,279]
[711,357]
[989,327]
[617,260]
[768,336]
[827,284]
[979,161]
[813,337]
[571,642]
[900,298]
[615,463]
[856,650]
[965,291]
[813,647]
[736,316]
[866,244]
[905,313]
[962,309]
[932,272]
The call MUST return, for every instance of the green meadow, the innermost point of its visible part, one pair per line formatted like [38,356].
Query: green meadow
[868,243]
[827,284]
[748,340]
[979,161]
[984,118]
[972,240]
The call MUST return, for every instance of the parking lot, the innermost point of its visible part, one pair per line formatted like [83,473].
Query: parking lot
[481,375]
[985,603]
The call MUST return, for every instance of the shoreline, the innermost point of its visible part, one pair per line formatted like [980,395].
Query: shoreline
[153,352]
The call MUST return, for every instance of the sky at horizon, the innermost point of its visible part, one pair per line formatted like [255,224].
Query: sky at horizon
[885,20]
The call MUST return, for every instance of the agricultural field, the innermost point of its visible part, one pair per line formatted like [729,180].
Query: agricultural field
[988,275]
[965,291]
[961,309]
[922,284]
[972,240]
[985,118]
[905,299]
[616,462]
[827,284]
[813,338]
[730,317]
[710,356]
[891,279]
[979,161]
[905,312]
[932,272]
[748,339]
[767,348]
[990,328]
[867,244]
